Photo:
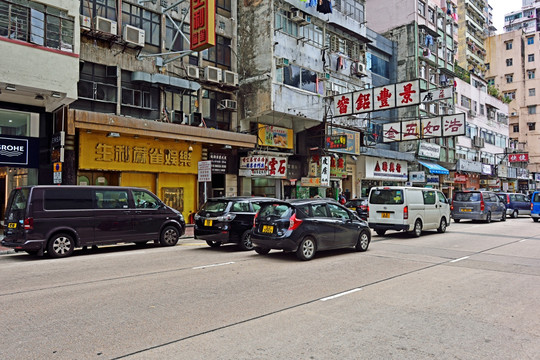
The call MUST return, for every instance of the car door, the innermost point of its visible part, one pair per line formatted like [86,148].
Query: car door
[524,204]
[113,219]
[323,226]
[148,215]
[345,230]
[431,210]
[243,219]
[444,207]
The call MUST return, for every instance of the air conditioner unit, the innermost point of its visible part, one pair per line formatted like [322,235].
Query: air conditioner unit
[230,78]
[105,25]
[460,156]
[212,74]
[282,62]
[178,117]
[472,112]
[133,35]
[86,22]
[478,141]
[192,71]
[297,16]
[228,104]
[361,68]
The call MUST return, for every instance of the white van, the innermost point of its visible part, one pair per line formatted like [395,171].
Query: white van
[407,208]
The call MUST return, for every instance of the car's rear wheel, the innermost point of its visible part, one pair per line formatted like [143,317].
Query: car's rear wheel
[261,251]
[488,217]
[213,244]
[60,245]
[363,241]
[169,236]
[535,219]
[515,214]
[442,226]
[307,248]
[245,241]
[417,231]
[457,220]
[503,217]
[380,232]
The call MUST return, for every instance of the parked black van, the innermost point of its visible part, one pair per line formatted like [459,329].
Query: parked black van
[57,219]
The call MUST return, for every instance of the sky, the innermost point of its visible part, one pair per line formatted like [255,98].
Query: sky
[501,7]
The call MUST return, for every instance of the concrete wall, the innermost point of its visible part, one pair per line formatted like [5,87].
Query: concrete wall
[384,15]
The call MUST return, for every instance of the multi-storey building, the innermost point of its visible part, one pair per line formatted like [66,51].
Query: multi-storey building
[525,19]
[39,71]
[512,58]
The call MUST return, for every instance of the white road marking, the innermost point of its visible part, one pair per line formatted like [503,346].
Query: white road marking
[341,294]
[212,265]
[456,260]
[523,240]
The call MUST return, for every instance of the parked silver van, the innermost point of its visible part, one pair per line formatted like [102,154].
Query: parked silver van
[404,208]
[57,219]
[477,205]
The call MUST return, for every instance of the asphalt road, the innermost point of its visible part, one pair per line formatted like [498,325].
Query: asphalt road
[471,293]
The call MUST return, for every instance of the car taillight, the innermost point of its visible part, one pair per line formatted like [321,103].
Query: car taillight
[482,204]
[294,223]
[532,206]
[29,224]
[255,218]
[406,212]
[452,206]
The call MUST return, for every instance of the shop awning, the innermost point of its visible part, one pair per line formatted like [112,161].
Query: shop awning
[434,168]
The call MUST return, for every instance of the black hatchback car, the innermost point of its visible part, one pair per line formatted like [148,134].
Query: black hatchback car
[307,226]
[227,220]
[359,205]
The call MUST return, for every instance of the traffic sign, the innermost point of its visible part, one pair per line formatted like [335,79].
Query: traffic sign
[57,167]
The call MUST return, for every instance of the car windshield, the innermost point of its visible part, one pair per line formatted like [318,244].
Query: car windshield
[536,197]
[467,196]
[215,206]
[16,208]
[386,196]
[276,210]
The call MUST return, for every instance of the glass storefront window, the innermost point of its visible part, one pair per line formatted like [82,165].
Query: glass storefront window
[14,123]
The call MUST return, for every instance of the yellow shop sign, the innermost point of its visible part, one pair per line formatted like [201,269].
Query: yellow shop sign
[96,151]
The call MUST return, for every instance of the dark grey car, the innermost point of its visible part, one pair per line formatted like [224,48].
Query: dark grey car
[477,205]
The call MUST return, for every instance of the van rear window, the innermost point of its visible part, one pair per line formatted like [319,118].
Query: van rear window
[16,208]
[467,196]
[386,197]
[278,210]
[67,199]
[536,197]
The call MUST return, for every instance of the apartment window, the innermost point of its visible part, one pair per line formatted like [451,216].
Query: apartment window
[509,78]
[482,111]
[174,41]
[530,40]
[531,109]
[491,81]
[532,92]
[96,88]
[143,19]
[475,105]
[218,119]
[37,24]
[422,8]
[510,94]
[283,23]
[314,33]
[381,66]
[352,8]
[219,54]
[530,57]
[515,128]
[508,62]
[508,45]
[431,15]
[300,78]
[137,94]
[224,4]
[465,102]
[103,8]
[530,74]
[531,125]
[180,102]
[487,66]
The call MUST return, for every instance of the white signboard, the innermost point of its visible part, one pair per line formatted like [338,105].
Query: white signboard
[436,94]
[325,170]
[410,130]
[417,176]
[443,126]
[205,171]
[431,128]
[429,150]
[386,169]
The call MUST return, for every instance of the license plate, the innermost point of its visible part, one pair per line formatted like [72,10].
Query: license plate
[268,229]
[12,225]
[353,209]
[385,215]
[207,222]
[465,210]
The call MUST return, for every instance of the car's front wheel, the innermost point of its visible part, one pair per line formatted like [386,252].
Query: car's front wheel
[61,245]
[245,241]
[442,226]
[362,243]
[307,248]
[169,236]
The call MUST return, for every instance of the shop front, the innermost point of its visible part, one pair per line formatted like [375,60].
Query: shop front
[382,172]
[166,167]
[472,170]
[267,174]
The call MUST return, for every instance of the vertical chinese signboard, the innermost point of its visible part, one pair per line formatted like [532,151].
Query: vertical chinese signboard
[325,171]
[202,24]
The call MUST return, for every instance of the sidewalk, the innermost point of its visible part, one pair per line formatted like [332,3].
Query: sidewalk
[187,235]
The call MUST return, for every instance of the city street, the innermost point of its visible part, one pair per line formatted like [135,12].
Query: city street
[471,293]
